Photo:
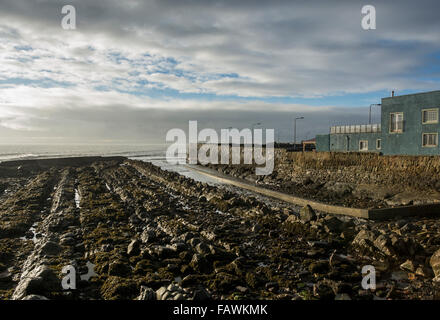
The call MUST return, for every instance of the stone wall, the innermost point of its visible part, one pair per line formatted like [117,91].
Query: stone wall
[417,171]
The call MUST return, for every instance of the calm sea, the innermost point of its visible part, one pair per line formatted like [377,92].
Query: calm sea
[44,151]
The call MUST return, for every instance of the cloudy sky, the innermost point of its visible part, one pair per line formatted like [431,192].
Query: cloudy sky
[134,69]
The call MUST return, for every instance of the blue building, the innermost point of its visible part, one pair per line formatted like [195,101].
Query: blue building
[409,126]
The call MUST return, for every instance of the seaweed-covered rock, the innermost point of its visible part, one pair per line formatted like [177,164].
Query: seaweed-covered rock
[39,281]
[200,264]
[146,294]
[117,288]
[307,214]
[119,268]
[134,248]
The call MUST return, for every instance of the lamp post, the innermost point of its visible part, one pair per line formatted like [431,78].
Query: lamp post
[294,130]
[372,105]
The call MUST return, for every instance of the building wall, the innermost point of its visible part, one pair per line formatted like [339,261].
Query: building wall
[409,142]
[349,142]
[323,142]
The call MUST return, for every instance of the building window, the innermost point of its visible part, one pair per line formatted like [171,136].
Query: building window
[429,116]
[363,145]
[378,144]
[429,139]
[396,122]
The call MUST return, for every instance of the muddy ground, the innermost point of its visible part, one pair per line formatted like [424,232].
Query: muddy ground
[153,234]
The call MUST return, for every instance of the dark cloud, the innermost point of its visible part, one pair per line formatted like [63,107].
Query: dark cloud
[273,48]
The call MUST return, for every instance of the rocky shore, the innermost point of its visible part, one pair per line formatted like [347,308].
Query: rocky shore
[153,234]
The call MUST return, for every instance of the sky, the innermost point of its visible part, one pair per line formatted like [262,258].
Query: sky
[132,70]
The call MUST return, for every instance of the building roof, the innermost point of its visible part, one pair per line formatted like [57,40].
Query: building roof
[412,94]
[309,141]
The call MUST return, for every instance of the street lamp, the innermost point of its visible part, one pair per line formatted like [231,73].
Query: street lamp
[372,105]
[294,130]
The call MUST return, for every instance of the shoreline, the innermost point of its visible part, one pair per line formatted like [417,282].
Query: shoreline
[155,234]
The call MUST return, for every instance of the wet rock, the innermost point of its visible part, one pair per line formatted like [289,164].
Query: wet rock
[34,297]
[172,292]
[200,264]
[384,244]
[271,286]
[147,236]
[224,282]
[50,248]
[306,181]
[192,280]
[339,189]
[164,252]
[323,291]
[40,281]
[291,219]
[5,276]
[242,289]
[179,247]
[408,265]
[201,294]
[118,288]
[134,220]
[134,248]
[336,260]
[401,199]
[256,228]
[424,272]
[332,224]
[67,241]
[146,294]
[307,214]
[119,268]
[194,241]
[203,249]
[435,263]
[364,240]
[221,204]
[319,267]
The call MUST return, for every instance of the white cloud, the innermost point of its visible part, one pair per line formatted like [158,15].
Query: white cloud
[255,49]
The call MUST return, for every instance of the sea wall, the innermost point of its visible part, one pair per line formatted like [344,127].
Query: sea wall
[418,171]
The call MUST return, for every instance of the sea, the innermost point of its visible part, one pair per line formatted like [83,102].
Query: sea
[46,151]
[154,153]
